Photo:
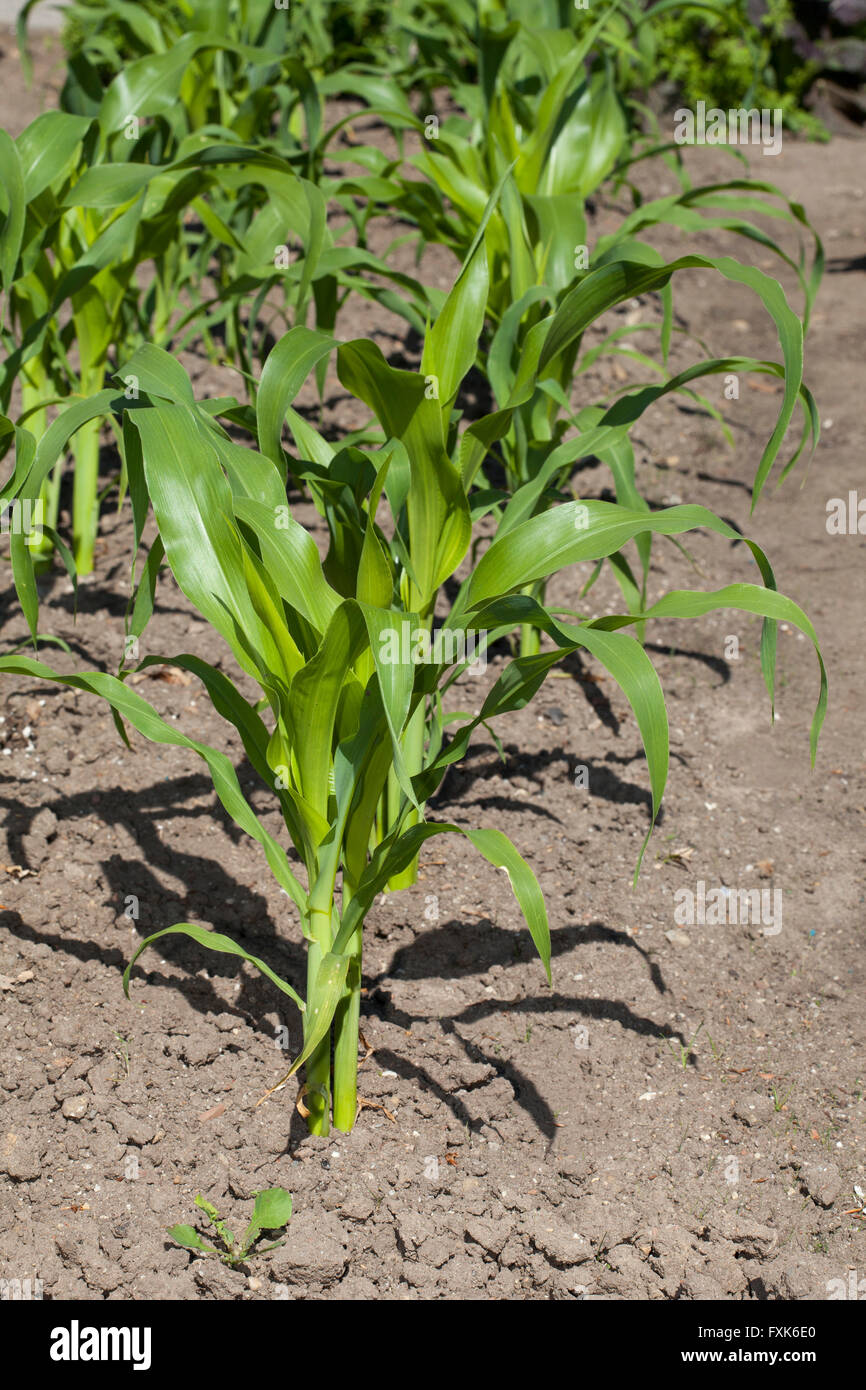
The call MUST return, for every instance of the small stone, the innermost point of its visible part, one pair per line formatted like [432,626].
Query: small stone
[678,938]
[556,1240]
[76,1107]
[822,1182]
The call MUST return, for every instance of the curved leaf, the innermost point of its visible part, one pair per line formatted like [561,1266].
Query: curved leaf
[214,941]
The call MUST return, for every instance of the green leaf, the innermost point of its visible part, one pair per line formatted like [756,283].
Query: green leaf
[748,598]
[46,148]
[322,1004]
[272,1212]
[611,284]
[189,1238]
[498,850]
[451,345]
[273,1208]
[12,230]
[627,662]
[314,699]
[577,531]
[214,941]
[392,857]
[157,373]
[148,86]
[192,503]
[288,365]
[292,561]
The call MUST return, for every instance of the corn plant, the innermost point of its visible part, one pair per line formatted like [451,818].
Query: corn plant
[76,229]
[539,138]
[71,249]
[171,77]
[54,259]
[338,696]
[448,355]
[210,63]
[449,351]
[350,730]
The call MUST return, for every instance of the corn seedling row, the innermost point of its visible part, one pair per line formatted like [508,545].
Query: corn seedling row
[186,193]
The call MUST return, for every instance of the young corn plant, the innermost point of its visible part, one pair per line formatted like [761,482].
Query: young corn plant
[75,231]
[60,260]
[207,63]
[170,80]
[339,694]
[540,137]
[448,354]
[400,399]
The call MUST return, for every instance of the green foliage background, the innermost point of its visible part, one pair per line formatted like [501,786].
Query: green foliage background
[718,51]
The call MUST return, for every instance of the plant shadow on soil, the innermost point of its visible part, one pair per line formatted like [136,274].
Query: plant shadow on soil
[138,811]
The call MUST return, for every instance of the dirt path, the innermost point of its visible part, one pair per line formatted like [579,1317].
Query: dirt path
[680,1116]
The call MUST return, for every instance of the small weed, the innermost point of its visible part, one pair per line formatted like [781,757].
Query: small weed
[272,1212]
[780,1099]
[684,1050]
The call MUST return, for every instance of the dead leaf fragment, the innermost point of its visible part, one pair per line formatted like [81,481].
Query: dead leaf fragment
[7,982]
[375,1105]
[368,1050]
[680,855]
[214,1113]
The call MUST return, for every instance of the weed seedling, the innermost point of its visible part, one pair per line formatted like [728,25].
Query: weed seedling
[780,1099]
[272,1212]
[684,1051]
